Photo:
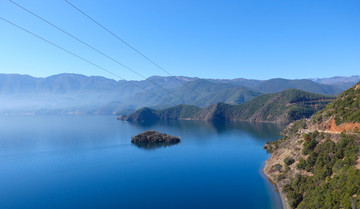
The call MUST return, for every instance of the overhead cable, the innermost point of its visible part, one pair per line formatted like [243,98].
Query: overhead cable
[131,46]
[82,58]
[93,48]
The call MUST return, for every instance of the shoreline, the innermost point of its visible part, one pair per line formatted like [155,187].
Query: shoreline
[284,203]
[276,201]
[120,118]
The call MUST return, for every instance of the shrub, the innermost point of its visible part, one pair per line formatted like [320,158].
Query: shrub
[301,164]
[281,177]
[309,146]
[289,161]
[277,167]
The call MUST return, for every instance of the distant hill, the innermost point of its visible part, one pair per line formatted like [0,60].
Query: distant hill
[213,93]
[56,84]
[341,82]
[282,108]
[79,94]
[171,82]
[279,84]
[179,112]
[210,93]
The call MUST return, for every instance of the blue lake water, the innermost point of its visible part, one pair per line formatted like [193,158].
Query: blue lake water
[89,162]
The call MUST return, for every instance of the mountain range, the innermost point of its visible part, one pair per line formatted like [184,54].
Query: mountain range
[79,94]
[341,82]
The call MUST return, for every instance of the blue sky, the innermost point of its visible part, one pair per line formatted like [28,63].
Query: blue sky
[208,39]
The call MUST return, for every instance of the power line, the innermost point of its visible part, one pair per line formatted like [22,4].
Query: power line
[130,46]
[93,48]
[82,58]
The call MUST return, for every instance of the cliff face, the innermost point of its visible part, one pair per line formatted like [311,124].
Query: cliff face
[281,108]
[316,164]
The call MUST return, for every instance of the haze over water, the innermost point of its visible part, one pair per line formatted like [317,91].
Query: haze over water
[89,162]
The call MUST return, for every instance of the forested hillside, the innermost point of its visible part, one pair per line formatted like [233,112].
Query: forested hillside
[316,164]
[282,108]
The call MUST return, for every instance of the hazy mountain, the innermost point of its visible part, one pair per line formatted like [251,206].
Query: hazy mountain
[79,94]
[170,82]
[249,83]
[282,107]
[212,93]
[279,84]
[56,84]
[338,79]
[341,82]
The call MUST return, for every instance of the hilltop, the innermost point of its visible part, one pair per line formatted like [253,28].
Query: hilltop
[282,108]
[316,164]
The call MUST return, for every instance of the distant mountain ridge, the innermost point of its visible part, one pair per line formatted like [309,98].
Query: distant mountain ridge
[279,84]
[282,108]
[78,94]
[337,79]
[341,82]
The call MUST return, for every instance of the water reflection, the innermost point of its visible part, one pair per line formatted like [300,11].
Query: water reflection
[151,146]
[259,131]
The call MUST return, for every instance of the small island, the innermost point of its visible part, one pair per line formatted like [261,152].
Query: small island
[154,139]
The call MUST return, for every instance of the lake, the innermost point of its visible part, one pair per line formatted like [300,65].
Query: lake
[89,162]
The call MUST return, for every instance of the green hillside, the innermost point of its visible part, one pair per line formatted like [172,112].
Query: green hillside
[320,169]
[282,108]
[179,112]
[345,109]
[212,93]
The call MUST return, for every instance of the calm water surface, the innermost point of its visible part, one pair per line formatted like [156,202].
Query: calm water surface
[89,162]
